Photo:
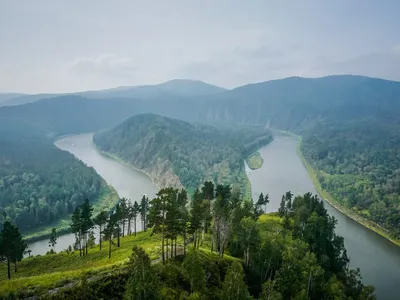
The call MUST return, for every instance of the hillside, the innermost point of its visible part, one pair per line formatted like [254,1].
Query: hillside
[330,112]
[71,114]
[40,185]
[273,256]
[350,129]
[179,153]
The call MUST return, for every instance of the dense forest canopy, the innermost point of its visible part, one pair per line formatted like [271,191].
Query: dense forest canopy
[194,152]
[39,183]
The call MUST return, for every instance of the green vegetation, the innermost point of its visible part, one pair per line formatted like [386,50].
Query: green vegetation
[255,161]
[217,245]
[359,169]
[166,148]
[40,185]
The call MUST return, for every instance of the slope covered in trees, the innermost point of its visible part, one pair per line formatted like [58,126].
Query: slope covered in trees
[40,184]
[359,112]
[167,147]
[218,246]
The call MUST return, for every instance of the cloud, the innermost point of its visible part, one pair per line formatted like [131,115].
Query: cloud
[109,65]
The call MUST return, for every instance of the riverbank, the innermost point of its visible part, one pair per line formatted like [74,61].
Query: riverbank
[121,161]
[106,200]
[330,199]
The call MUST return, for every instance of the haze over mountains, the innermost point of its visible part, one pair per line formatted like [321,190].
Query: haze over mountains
[350,125]
[172,88]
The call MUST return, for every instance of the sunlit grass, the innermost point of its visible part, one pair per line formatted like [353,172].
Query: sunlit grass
[107,199]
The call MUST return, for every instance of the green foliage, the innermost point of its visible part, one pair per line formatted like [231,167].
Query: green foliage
[53,238]
[255,161]
[358,165]
[143,283]
[40,184]
[193,152]
[12,246]
[233,287]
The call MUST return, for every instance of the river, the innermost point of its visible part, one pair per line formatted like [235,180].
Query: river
[378,259]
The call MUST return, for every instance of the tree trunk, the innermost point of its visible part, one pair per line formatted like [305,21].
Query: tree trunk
[212,243]
[175,247]
[118,234]
[109,247]
[123,227]
[134,225]
[194,239]
[167,248]
[8,268]
[184,243]
[129,226]
[162,246]
[172,247]
[100,238]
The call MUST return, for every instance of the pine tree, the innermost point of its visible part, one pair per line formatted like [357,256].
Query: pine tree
[12,246]
[158,213]
[118,220]
[124,213]
[76,226]
[135,213]
[86,221]
[144,210]
[101,220]
[196,216]
[109,230]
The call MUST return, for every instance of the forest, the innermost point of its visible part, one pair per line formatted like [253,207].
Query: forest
[217,246]
[193,152]
[349,125]
[360,167]
[40,184]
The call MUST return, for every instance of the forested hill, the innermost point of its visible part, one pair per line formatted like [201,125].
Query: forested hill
[350,127]
[40,184]
[176,152]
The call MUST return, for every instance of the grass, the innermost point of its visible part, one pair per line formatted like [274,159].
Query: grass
[106,200]
[40,273]
[255,161]
[37,275]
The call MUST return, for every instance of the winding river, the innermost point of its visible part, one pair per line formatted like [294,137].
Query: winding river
[378,259]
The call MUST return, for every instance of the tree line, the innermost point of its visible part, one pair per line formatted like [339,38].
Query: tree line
[219,246]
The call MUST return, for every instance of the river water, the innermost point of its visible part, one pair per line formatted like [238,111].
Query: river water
[378,259]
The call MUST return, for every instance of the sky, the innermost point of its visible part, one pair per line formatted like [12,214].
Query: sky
[52,46]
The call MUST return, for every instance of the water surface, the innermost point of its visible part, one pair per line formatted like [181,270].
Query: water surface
[282,171]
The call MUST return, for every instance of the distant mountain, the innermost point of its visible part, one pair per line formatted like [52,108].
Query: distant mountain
[72,114]
[23,99]
[5,97]
[177,153]
[166,91]
[293,103]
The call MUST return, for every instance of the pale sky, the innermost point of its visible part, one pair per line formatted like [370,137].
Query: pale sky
[67,46]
